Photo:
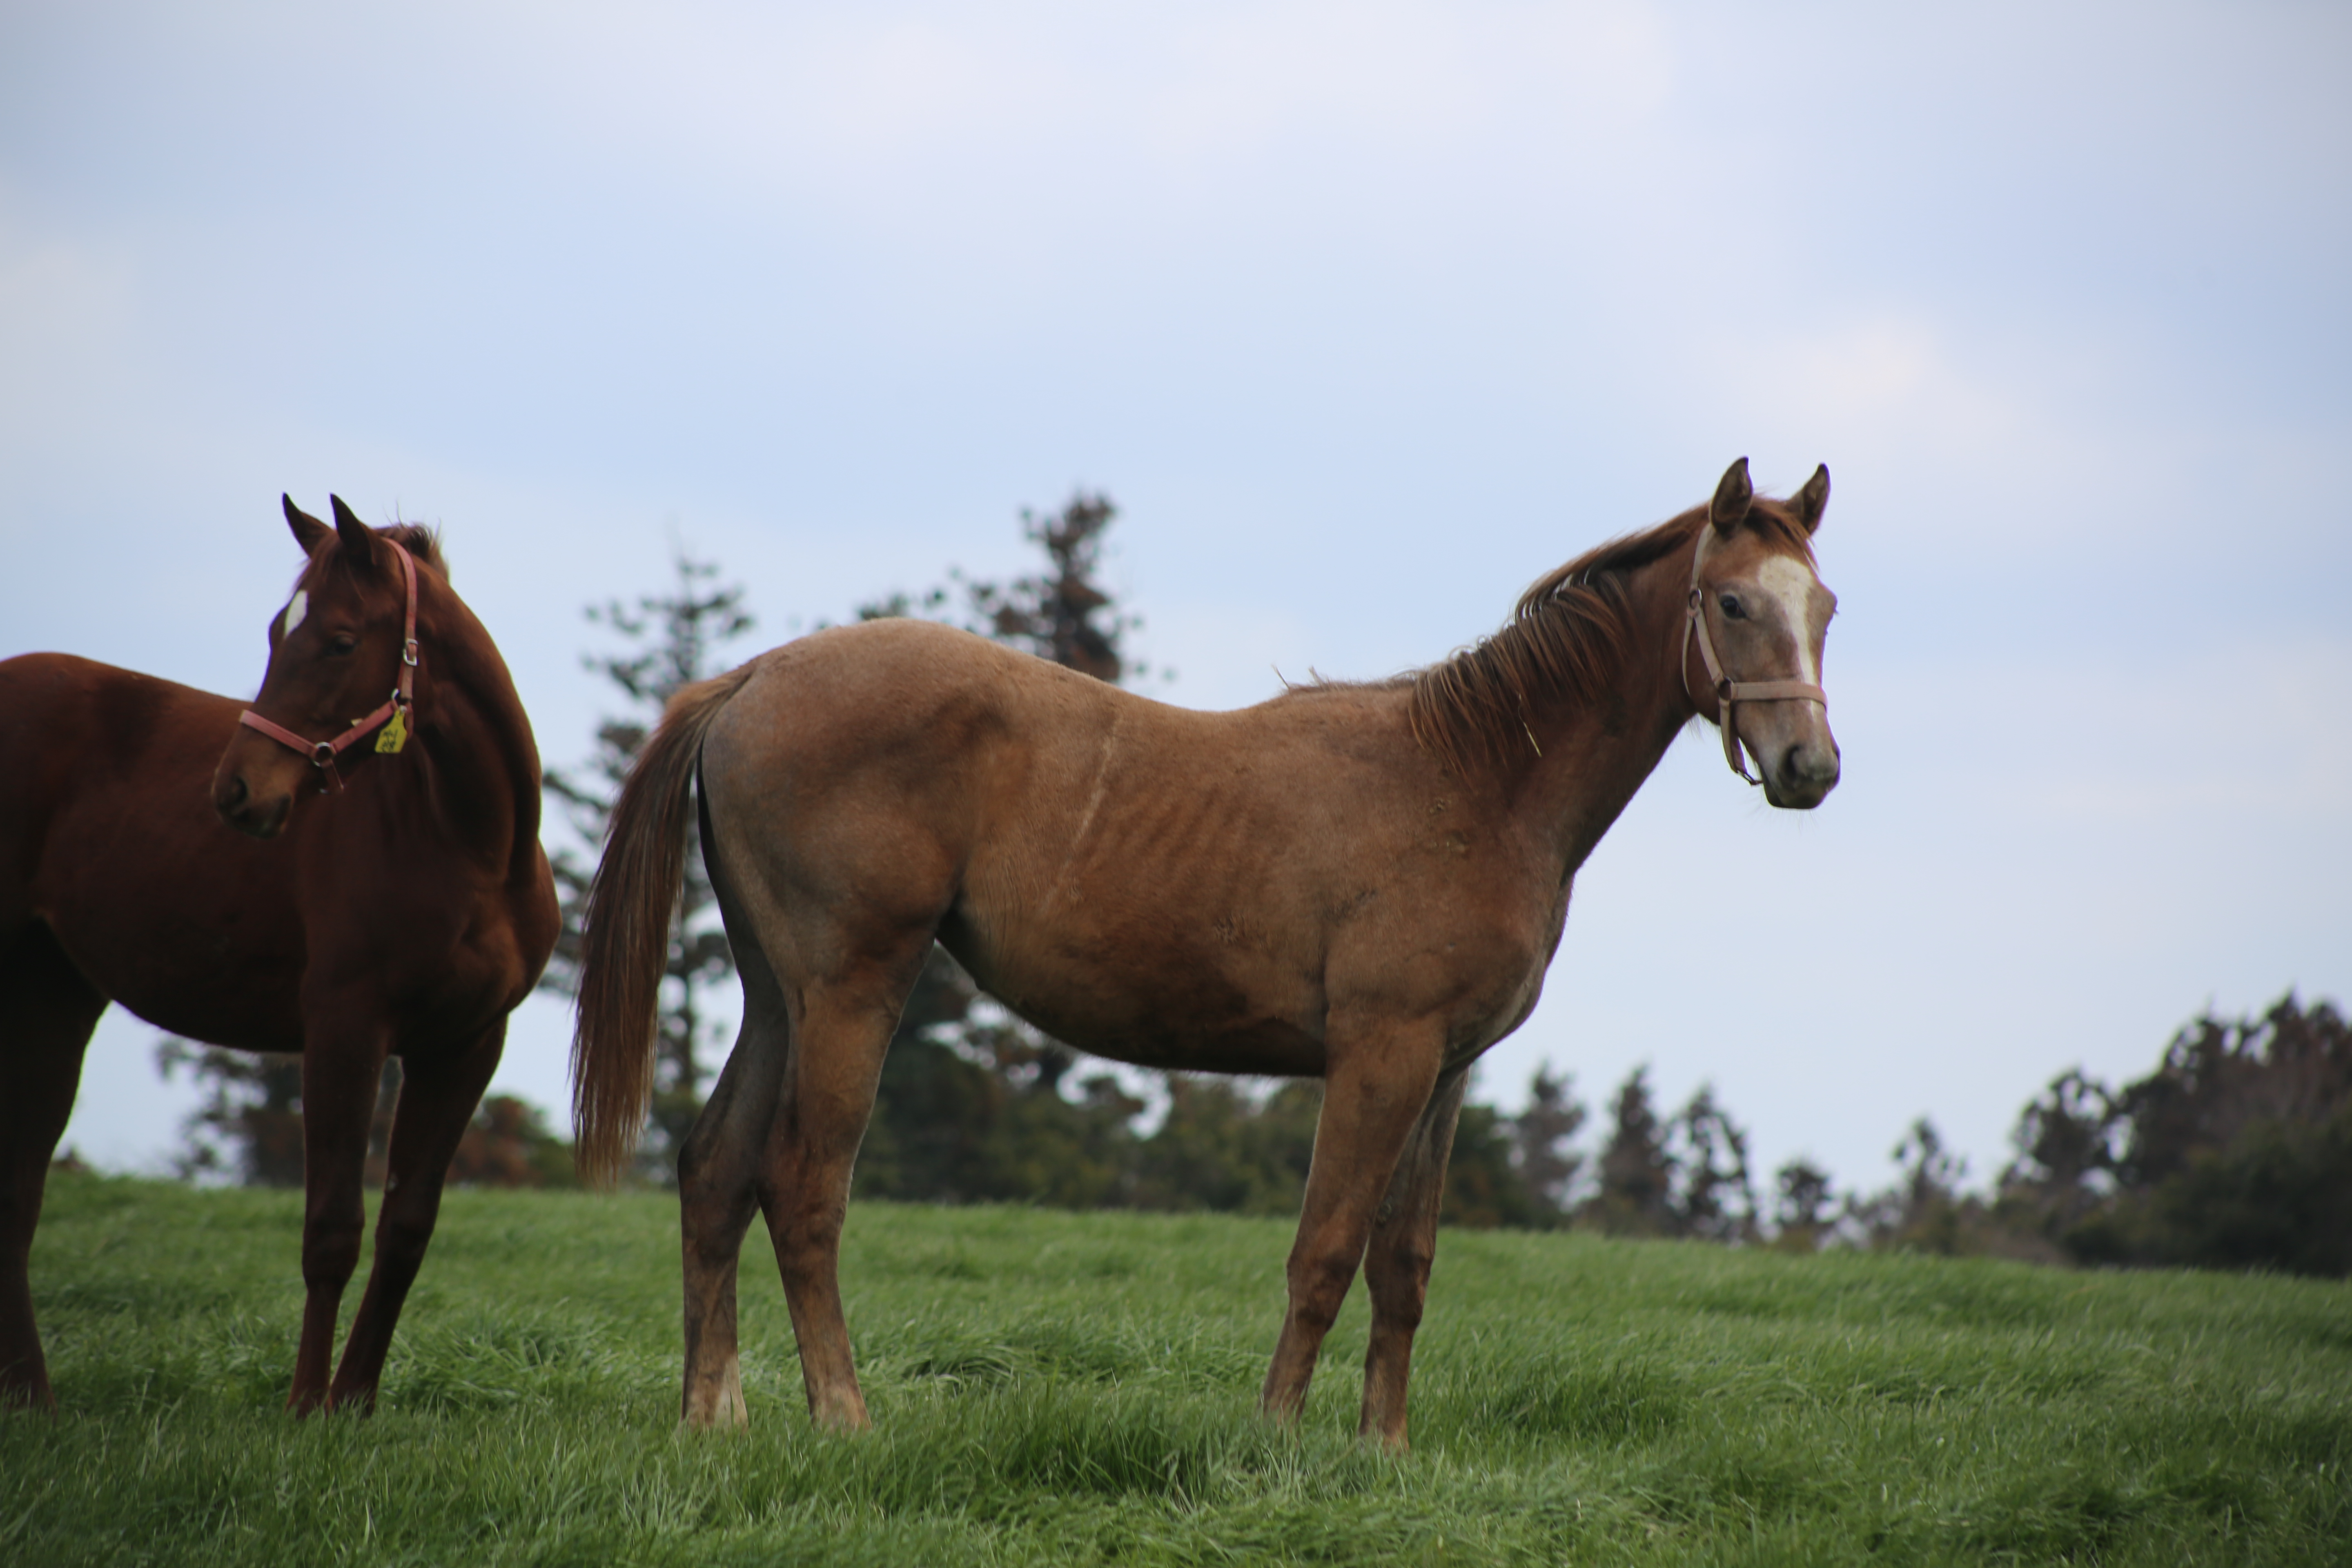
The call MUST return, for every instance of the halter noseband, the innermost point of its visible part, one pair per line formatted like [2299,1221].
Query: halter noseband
[1729,694]
[322,753]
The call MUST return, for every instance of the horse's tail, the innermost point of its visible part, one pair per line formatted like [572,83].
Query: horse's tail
[626,919]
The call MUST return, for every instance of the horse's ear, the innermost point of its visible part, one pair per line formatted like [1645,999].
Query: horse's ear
[308,531]
[1733,496]
[1814,499]
[359,541]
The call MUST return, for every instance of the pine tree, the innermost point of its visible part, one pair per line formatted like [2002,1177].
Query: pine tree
[1541,1134]
[1637,1173]
[1714,1197]
[1802,1217]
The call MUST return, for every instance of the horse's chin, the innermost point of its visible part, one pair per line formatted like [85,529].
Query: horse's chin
[1797,799]
[261,823]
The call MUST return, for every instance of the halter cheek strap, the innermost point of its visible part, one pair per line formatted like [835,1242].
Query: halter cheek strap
[322,753]
[1729,694]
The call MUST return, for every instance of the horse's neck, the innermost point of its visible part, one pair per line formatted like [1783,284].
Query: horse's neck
[485,783]
[1596,755]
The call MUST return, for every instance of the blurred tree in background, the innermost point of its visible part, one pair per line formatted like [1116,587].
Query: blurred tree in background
[2235,1153]
[674,640]
[1637,1173]
[249,1129]
[1803,1219]
[1684,1177]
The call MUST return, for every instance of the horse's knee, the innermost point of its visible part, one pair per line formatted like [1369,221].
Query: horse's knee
[331,1252]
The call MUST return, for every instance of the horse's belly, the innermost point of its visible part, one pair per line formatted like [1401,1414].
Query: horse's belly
[1164,1007]
[1274,1048]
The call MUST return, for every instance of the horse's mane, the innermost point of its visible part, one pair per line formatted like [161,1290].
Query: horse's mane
[1564,641]
[420,542]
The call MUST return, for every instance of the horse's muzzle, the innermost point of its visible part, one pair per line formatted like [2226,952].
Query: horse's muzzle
[234,800]
[1804,775]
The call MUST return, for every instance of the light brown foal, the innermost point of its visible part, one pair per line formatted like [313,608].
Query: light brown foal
[1360,883]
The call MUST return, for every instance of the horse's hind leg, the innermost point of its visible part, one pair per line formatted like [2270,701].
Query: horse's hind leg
[438,1097]
[718,1186]
[47,1012]
[839,1040]
[1375,1090]
[1396,1264]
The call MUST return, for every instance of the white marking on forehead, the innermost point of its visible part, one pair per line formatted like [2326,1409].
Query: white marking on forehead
[295,608]
[1790,582]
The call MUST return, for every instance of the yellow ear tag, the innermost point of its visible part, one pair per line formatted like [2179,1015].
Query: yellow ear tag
[395,734]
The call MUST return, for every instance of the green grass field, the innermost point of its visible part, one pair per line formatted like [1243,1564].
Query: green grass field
[1064,1388]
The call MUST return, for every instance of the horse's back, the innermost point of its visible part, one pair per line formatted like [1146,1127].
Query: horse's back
[72,727]
[1148,881]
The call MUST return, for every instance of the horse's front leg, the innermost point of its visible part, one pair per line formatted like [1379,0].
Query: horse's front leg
[343,1061]
[438,1097]
[1396,1264]
[1378,1081]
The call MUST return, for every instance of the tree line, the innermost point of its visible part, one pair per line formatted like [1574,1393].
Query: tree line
[2235,1151]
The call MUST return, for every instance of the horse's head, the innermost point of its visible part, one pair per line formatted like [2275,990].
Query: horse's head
[1760,613]
[335,653]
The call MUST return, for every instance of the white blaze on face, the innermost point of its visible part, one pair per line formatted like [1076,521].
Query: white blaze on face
[1790,583]
[295,608]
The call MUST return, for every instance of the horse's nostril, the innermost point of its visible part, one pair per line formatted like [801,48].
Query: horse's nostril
[1806,765]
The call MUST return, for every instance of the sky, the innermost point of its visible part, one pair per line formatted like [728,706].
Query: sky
[1366,315]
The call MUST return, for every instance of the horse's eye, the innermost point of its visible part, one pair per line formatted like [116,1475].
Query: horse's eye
[1731,610]
[342,642]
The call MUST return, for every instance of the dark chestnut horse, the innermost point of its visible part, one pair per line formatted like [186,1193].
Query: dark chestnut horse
[405,910]
[1360,883]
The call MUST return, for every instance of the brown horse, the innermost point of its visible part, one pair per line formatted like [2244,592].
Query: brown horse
[1360,883]
[404,911]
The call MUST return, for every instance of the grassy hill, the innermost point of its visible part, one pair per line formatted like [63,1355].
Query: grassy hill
[1071,1388]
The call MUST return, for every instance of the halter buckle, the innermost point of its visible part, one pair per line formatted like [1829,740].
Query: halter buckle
[408,652]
